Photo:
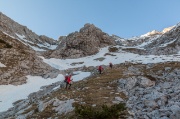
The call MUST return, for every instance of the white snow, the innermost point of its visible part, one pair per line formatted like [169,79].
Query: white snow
[134,38]
[80,75]
[148,42]
[121,57]
[51,47]
[8,35]
[2,65]
[22,38]
[36,48]
[11,93]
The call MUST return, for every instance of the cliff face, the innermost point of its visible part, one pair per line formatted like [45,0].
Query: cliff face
[83,43]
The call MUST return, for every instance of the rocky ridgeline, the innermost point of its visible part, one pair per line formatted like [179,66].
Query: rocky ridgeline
[167,44]
[13,28]
[20,61]
[154,43]
[83,43]
[156,97]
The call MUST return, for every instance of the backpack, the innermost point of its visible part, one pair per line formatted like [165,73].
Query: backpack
[66,77]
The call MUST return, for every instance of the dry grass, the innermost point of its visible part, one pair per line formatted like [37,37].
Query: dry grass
[97,89]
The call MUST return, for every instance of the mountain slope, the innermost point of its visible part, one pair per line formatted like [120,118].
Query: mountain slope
[22,33]
[124,83]
[148,84]
[20,61]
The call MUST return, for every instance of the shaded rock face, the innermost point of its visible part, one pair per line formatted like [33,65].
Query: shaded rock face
[83,43]
[13,28]
[20,61]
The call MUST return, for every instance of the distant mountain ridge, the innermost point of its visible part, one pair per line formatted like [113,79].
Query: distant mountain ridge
[154,42]
[155,32]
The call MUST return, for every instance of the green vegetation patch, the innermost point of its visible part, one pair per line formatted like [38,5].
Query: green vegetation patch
[100,112]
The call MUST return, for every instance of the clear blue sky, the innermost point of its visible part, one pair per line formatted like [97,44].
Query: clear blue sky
[125,18]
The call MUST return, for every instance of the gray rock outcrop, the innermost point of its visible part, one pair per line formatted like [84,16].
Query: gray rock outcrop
[153,99]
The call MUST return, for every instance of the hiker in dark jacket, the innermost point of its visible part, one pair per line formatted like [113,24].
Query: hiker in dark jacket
[110,65]
[100,69]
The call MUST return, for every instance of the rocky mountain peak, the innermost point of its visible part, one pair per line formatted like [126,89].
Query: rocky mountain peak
[88,28]
[167,29]
[83,43]
[152,33]
[155,32]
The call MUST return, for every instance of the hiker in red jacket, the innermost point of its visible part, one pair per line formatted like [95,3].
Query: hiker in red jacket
[69,82]
[110,65]
[100,69]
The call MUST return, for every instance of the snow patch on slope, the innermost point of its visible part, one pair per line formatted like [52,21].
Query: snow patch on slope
[11,93]
[148,42]
[115,58]
[2,65]
[22,38]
